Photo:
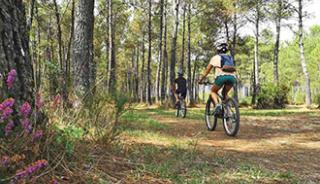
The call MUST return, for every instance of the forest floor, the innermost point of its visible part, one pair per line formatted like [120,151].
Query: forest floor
[273,146]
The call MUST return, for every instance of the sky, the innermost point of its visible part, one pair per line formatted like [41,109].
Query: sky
[312,8]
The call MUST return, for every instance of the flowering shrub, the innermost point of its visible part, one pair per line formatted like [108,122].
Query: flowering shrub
[17,135]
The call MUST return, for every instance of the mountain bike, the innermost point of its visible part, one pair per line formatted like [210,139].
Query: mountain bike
[181,107]
[229,113]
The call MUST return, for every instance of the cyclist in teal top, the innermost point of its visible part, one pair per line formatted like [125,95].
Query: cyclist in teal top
[225,70]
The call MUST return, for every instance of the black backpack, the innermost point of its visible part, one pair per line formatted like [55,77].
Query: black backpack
[227,63]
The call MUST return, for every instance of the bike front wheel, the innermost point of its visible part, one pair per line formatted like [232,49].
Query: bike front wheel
[231,118]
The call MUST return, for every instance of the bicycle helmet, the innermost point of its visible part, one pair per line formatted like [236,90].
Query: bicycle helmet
[221,46]
[180,72]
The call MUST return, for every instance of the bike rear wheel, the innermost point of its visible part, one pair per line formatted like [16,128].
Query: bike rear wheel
[181,109]
[231,118]
[210,118]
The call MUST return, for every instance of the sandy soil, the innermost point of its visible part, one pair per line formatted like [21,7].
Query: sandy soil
[277,143]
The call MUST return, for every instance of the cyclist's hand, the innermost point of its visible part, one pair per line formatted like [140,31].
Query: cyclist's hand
[200,81]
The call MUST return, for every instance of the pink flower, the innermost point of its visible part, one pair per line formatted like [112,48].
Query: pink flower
[8,103]
[26,125]
[6,113]
[8,129]
[25,110]
[11,76]
[5,161]
[20,174]
[37,135]
[39,101]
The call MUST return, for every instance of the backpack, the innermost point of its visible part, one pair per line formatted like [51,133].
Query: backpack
[227,63]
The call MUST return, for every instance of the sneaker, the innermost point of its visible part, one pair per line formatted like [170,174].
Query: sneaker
[218,109]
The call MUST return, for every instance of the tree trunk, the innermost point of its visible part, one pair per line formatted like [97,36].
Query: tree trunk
[63,69]
[234,44]
[143,76]
[68,59]
[165,57]
[190,89]
[158,94]
[83,49]
[256,84]
[183,38]
[112,57]
[302,58]
[174,49]
[14,51]
[149,56]
[107,47]
[276,52]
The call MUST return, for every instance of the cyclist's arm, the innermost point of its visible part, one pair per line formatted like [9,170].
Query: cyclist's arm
[174,90]
[206,72]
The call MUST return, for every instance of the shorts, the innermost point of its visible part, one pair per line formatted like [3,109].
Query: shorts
[183,94]
[225,80]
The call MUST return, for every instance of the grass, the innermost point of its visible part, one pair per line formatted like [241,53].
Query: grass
[173,159]
[134,120]
[199,113]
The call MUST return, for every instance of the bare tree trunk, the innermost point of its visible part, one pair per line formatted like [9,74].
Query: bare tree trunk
[149,56]
[276,52]
[302,58]
[256,87]
[107,47]
[83,49]
[165,56]
[190,89]
[63,75]
[183,37]
[37,67]
[112,57]
[234,44]
[14,51]
[68,59]
[143,76]
[174,49]
[158,94]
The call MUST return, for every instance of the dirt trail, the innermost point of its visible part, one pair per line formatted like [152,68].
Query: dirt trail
[285,143]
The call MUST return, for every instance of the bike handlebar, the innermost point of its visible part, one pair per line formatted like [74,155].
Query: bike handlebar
[206,83]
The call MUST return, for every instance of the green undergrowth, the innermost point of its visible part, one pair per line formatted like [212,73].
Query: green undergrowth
[136,120]
[180,160]
[198,113]
[179,163]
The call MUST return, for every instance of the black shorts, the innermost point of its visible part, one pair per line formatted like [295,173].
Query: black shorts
[183,93]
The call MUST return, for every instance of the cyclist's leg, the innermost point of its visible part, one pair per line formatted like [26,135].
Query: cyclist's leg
[214,93]
[227,87]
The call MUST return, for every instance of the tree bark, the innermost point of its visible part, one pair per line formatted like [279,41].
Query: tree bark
[112,57]
[160,53]
[234,44]
[256,87]
[63,66]
[14,51]
[302,58]
[190,89]
[279,15]
[183,38]
[149,56]
[174,49]
[165,57]
[83,49]
[143,76]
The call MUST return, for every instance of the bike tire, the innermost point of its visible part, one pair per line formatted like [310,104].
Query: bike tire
[183,110]
[211,126]
[236,122]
